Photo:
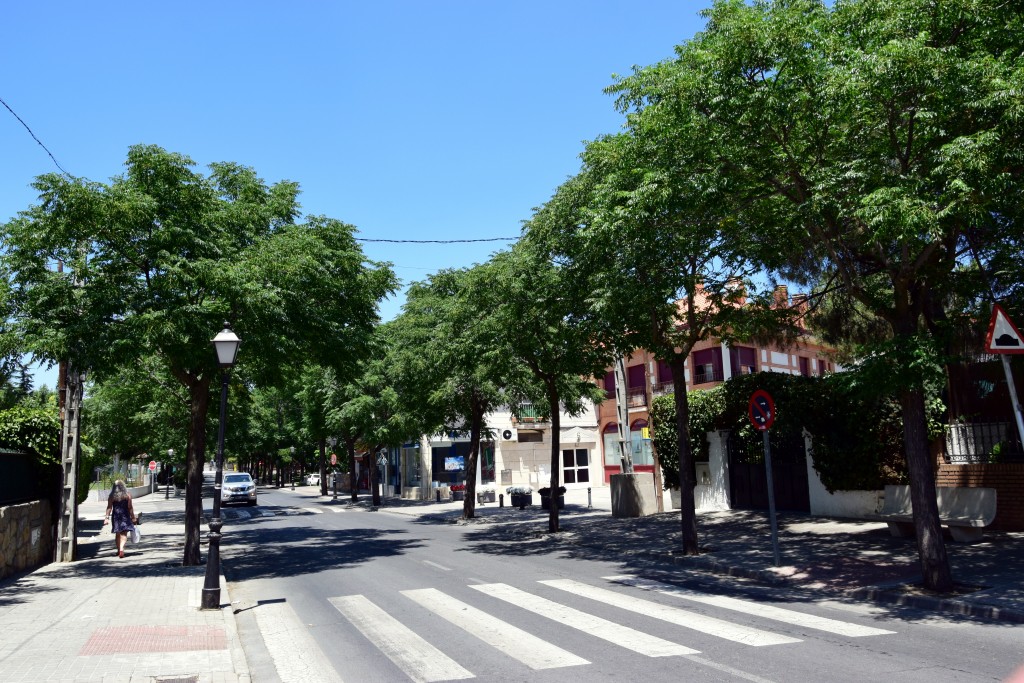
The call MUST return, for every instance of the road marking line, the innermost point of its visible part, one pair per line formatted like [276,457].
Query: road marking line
[315,511]
[438,566]
[626,637]
[420,660]
[285,636]
[243,514]
[267,513]
[673,615]
[515,642]
[843,628]
[728,669]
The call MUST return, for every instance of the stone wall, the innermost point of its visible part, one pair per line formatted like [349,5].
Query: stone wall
[26,537]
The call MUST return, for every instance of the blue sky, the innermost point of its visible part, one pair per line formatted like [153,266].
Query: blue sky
[449,119]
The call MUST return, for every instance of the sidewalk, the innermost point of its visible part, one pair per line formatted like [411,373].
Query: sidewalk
[831,557]
[107,619]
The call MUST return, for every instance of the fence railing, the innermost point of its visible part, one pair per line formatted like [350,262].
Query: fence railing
[983,443]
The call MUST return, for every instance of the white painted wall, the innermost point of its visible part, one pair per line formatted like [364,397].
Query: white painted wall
[854,504]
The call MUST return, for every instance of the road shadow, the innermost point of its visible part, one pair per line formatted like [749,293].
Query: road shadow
[282,552]
[820,558]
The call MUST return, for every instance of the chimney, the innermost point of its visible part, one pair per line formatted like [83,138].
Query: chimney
[781,295]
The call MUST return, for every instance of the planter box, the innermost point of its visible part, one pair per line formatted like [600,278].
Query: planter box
[545,502]
[521,500]
[458,495]
[485,497]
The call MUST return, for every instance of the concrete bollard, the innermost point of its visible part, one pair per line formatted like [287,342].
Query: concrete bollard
[501,500]
[590,505]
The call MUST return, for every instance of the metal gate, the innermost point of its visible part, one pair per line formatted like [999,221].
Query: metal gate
[748,482]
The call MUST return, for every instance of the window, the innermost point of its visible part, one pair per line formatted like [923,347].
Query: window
[664,372]
[635,377]
[530,437]
[743,360]
[609,384]
[610,439]
[805,366]
[707,366]
[575,465]
[641,447]
[823,367]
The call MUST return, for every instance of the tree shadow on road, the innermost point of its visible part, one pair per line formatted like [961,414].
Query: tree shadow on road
[284,552]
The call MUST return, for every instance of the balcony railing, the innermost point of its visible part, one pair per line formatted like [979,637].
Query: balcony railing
[636,396]
[527,413]
[664,388]
[704,374]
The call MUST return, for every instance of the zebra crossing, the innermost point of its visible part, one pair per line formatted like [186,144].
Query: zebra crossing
[424,662]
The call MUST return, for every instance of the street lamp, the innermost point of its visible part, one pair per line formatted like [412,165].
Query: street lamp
[169,473]
[291,466]
[226,344]
[331,441]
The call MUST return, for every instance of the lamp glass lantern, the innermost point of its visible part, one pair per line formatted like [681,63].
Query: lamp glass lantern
[226,343]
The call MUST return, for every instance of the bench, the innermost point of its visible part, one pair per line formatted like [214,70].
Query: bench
[964,510]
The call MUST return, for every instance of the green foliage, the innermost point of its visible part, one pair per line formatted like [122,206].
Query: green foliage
[857,431]
[36,430]
[706,407]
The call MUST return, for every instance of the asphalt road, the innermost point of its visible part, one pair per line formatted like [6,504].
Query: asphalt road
[327,593]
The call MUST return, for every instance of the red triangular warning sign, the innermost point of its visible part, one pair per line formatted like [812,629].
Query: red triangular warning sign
[1003,336]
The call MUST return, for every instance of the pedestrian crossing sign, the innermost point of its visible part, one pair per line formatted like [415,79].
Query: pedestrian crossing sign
[1003,336]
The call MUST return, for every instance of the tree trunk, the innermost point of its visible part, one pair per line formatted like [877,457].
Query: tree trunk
[687,505]
[931,548]
[475,427]
[199,396]
[556,443]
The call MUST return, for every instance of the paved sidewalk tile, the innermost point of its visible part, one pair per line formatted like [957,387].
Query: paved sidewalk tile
[103,618]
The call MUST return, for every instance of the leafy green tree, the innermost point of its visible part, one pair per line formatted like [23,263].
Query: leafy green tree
[871,137]
[162,255]
[665,260]
[372,411]
[549,325]
[450,353]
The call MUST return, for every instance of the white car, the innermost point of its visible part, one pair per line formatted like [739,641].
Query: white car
[238,488]
[313,479]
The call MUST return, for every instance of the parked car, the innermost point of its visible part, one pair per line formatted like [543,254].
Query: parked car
[313,479]
[238,488]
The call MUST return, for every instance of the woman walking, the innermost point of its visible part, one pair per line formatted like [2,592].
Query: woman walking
[120,514]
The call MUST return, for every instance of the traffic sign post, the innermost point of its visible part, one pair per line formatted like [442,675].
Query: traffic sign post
[152,479]
[762,416]
[1004,338]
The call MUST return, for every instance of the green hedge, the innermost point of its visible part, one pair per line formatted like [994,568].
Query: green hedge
[857,431]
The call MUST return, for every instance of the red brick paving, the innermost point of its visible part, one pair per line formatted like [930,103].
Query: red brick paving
[119,639]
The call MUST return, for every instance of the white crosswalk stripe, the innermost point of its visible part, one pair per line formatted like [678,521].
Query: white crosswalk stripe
[515,642]
[420,660]
[315,511]
[284,635]
[674,615]
[624,636]
[752,607]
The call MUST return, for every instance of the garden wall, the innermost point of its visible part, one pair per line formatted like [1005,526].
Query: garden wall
[26,537]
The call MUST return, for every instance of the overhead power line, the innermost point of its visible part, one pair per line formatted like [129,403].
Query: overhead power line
[489,239]
[361,239]
[34,137]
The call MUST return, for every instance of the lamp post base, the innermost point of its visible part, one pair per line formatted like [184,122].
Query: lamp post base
[211,586]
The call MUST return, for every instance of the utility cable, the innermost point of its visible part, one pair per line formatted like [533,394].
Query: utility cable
[34,137]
